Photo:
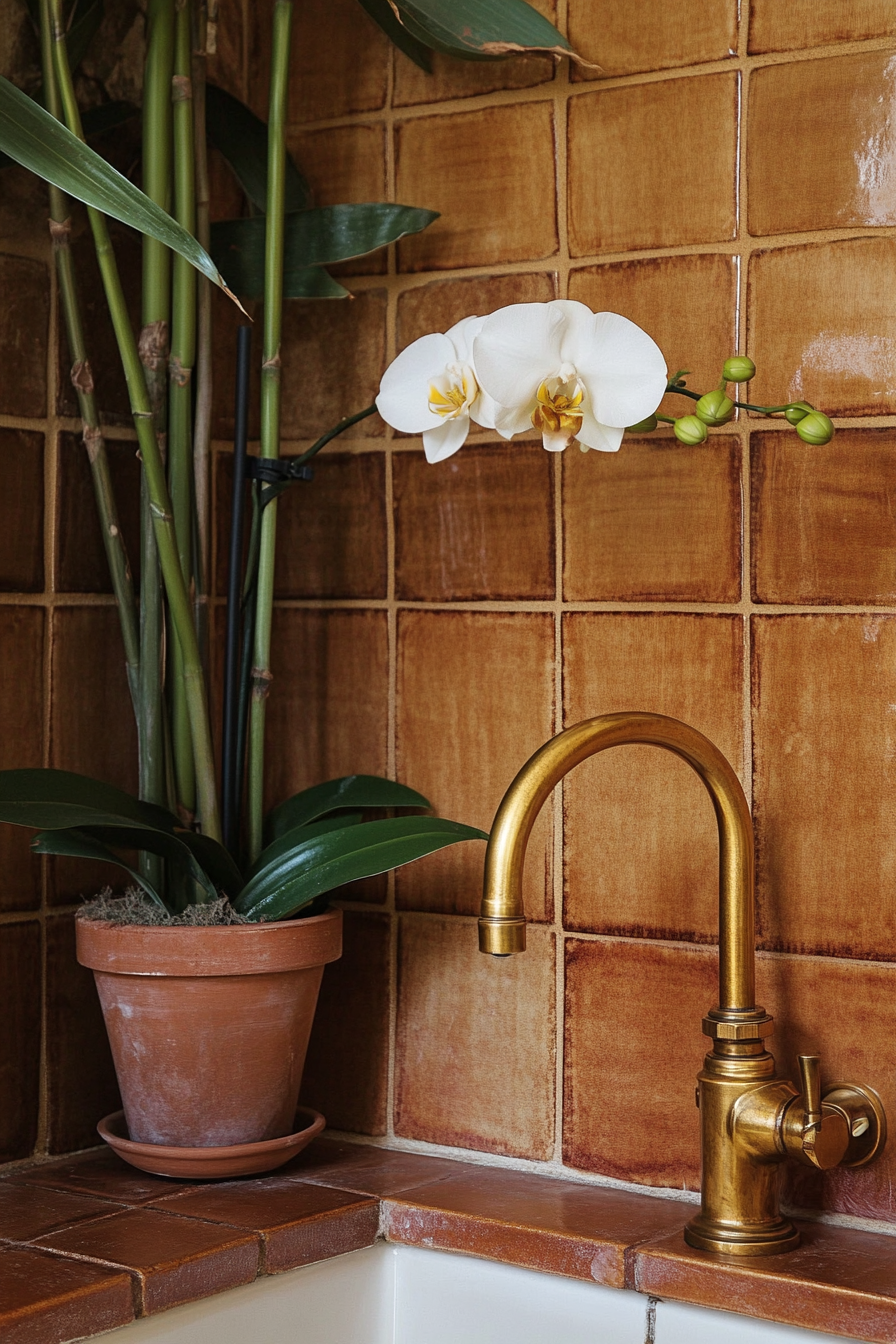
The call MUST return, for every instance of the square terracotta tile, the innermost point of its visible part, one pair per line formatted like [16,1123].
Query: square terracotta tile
[618,206]
[824,732]
[823,520]
[436,306]
[475,700]
[656,521]
[328,706]
[25,286]
[816,23]
[353,76]
[480,525]
[659,294]
[333,353]
[657,38]
[484,171]
[103,1176]
[843,100]
[81,565]
[45,1299]
[451,78]
[20,959]
[81,1086]
[344,165]
[558,1227]
[297,1223]
[641,841]
[369,1170]
[22,537]
[614,987]
[331,532]
[347,1068]
[28,1211]
[172,1260]
[840,354]
[21,742]
[475,1040]
[856,1045]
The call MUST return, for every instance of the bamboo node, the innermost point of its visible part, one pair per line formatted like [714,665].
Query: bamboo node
[93,441]
[82,376]
[60,232]
[153,345]
[272,366]
[181,89]
[179,374]
[261,683]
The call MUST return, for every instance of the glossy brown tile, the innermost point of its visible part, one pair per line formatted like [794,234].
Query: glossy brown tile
[80,1077]
[103,1176]
[823,734]
[344,165]
[558,1227]
[28,1211]
[25,286]
[20,994]
[81,565]
[480,525]
[839,355]
[171,1260]
[354,75]
[656,521]
[474,701]
[328,706]
[661,38]
[615,209]
[347,1068]
[474,1040]
[369,1170]
[484,191]
[839,1281]
[451,79]
[333,358]
[641,843]
[436,306]
[616,1065]
[816,23]
[22,538]
[661,295]
[823,526]
[46,1299]
[844,101]
[21,743]
[296,1222]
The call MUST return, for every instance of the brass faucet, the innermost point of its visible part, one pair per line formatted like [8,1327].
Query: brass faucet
[751,1120]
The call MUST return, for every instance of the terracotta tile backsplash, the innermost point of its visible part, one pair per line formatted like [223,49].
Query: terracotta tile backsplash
[725,180]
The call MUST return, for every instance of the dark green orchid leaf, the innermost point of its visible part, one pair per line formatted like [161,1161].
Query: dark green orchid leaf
[55,799]
[242,138]
[482,29]
[168,847]
[383,14]
[284,843]
[38,141]
[344,855]
[350,791]
[75,845]
[313,238]
[216,861]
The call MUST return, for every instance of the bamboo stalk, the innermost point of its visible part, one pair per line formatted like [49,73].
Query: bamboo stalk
[160,503]
[270,408]
[202,424]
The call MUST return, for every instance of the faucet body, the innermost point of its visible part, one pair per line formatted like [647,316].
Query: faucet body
[750,1119]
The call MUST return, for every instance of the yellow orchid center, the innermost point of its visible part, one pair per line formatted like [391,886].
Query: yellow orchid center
[454,392]
[557,414]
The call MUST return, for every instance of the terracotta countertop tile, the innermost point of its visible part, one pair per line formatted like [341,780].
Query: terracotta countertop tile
[838,1280]
[29,1211]
[539,1222]
[103,1175]
[45,1299]
[297,1222]
[371,1171]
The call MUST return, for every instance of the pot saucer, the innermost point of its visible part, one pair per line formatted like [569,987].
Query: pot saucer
[209,1164]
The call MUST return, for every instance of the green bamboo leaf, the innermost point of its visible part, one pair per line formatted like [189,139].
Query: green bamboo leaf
[242,138]
[75,845]
[290,839]
[56,799]
[383,14]
[216,861]
[350,791]
[94,121]
[345,855]
[482,29]
[169,847]
[38,141]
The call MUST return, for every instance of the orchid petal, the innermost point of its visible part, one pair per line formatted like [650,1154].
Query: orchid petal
[462,336]
[403,399]
[622,367]
[592,434]
[445,441]
[517,347]
[510,420]
[485,410]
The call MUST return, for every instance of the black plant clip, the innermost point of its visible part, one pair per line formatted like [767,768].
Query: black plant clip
[278,470]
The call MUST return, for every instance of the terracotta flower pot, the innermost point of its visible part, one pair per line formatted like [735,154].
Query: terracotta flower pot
[209,1026]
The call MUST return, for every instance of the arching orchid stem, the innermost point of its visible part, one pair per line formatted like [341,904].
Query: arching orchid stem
[742,405]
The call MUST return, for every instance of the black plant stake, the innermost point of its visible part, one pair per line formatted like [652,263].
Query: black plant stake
[231,774]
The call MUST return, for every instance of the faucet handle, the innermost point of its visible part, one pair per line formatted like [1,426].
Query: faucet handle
[810,1076]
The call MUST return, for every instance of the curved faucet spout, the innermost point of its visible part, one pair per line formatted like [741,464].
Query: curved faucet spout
[502,926]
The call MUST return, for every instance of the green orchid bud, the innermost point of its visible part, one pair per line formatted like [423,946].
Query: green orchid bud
[815,428]
[689,429]
[738,369]
[797,411]
[643,426]
[714,408]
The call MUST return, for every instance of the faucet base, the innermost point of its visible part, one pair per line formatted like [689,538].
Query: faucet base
[724,1239]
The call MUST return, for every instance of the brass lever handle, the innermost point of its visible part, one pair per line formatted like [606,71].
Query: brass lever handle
[810,1077]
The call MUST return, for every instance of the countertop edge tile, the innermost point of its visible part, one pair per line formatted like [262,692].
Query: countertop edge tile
[89,1308]
[321,1237]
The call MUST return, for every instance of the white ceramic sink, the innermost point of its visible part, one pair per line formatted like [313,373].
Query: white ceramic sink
[390,1294]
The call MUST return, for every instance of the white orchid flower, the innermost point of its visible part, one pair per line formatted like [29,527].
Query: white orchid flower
[432,389]
[573,374]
